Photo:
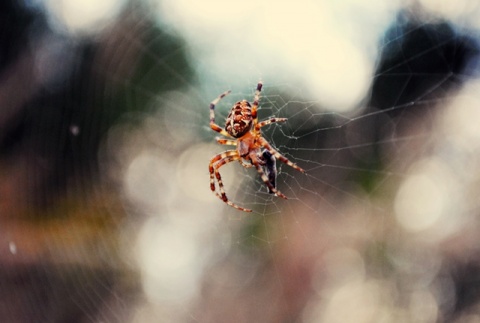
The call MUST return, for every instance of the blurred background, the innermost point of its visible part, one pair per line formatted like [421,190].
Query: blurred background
[105,209]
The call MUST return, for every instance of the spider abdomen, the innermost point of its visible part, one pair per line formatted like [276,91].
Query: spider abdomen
[239,120]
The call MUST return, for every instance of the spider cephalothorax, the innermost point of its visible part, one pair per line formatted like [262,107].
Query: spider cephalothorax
[252,150]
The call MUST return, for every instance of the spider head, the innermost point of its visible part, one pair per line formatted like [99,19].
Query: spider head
[239,120]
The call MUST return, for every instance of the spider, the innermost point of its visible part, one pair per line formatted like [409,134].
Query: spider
[252,150]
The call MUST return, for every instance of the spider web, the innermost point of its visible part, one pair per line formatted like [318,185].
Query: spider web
[106,210]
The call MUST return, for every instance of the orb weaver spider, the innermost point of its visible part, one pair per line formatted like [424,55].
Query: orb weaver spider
[252,150]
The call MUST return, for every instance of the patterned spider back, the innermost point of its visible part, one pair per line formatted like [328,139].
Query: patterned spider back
[239,120]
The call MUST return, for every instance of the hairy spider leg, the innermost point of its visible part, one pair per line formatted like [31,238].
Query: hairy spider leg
[222,194]
[223,141]
[244,164]
[269,121]
[231,142]
[215,163]
[264,177]
[279,156]
[213,125]
[214,160]
[256,100]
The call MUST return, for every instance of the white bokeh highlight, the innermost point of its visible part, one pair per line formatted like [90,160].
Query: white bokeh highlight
[420,202]
[82,17]
[169,259]
[327,50]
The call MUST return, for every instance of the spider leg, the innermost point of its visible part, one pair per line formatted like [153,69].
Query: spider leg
[213,125]
[244,164]
[264,177]
[279,156]
[215,163]
[214,160]
[256,100]
[223,141]
[269,121]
